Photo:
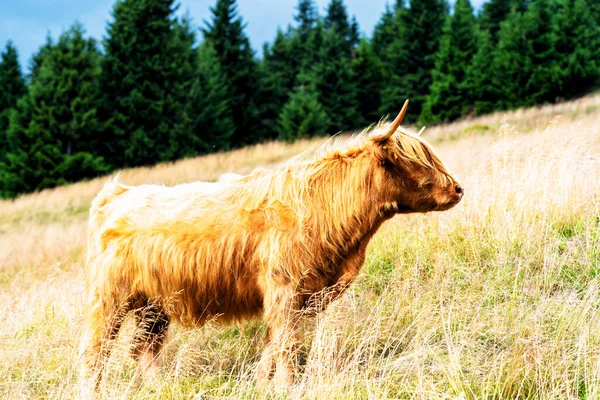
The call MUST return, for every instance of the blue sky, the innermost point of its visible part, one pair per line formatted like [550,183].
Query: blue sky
[26,22]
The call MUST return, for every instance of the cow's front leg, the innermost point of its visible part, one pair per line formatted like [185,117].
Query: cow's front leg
[349,270]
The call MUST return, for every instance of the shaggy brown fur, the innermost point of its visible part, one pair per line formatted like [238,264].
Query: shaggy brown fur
[268,244]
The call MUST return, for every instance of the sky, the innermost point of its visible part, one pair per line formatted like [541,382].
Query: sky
[26,22]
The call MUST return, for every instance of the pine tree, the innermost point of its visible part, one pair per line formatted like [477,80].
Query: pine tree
[387,30]
[51,134]
[141,82]
[12,83]
[12,87]
[578,48]
[38,57]
[384,32]
[188,92]
[29,156]
[510,69]
[479,79]
[279,71]
[312,51]
[496,11]
[543,84]
[212,123]
[236,57]
[288,61]
[368,73]
[337,19]
[302,116]
[594,10]
[387,43]
[448,98]
[70,78]
[412,56]
[335,84]
[305,39]
[306,18]
[354,37]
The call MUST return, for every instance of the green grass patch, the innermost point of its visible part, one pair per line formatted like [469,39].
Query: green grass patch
[474,130]
[43,217]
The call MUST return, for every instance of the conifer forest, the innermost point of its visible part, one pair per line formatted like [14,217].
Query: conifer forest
[158,87]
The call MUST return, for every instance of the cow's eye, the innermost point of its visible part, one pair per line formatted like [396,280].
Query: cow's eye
[427,186]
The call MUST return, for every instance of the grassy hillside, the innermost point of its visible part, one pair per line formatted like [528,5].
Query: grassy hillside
[497,298]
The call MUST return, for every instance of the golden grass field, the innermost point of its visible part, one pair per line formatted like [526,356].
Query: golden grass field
[498,298]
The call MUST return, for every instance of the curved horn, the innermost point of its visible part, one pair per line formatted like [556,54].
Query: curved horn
[396,123]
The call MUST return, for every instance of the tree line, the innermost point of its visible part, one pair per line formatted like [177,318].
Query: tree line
[158,88]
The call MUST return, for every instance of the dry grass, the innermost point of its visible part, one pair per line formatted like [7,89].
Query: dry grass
[497,298]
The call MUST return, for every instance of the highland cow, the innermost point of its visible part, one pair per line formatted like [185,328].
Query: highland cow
[269,245]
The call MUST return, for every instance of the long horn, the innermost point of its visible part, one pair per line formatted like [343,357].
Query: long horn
[396,123]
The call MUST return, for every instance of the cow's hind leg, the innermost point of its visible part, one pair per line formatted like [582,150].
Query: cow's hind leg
[103,321]
[151,331]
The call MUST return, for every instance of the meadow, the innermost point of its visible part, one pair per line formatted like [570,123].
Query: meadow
[497,298]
